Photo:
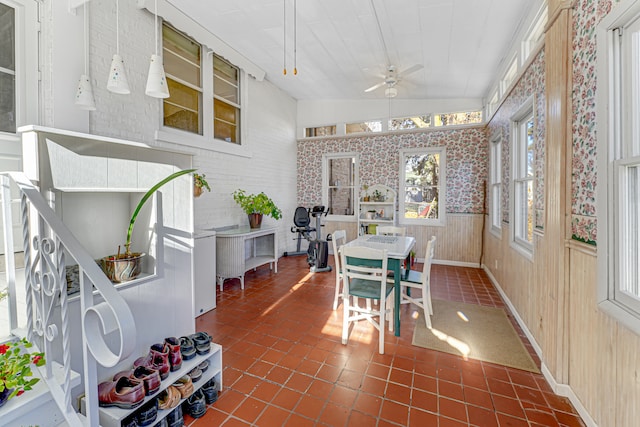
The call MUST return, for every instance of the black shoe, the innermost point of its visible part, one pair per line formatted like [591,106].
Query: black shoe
[202,341]
[162,423]
[187,348]
[130,421]
[210,391]
[147,414]
[175,418]
[196,405]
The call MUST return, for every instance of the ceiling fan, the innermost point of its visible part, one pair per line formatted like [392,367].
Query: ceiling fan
[391,78]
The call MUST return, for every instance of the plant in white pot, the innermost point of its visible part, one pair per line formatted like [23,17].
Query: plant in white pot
[126,266]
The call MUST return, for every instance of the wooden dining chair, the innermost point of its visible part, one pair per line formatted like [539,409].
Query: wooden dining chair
[365,276]
[391,230]
[338,238]
[421,281]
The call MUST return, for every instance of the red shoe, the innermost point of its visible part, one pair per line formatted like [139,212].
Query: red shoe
[172,345]
[158,359]
[149,377]
[124,393]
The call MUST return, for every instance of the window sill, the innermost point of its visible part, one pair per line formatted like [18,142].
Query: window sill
[626,317]
[526,252]
[201,142]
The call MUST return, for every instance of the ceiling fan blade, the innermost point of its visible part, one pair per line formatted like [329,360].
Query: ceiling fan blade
[374,87]
[411,70]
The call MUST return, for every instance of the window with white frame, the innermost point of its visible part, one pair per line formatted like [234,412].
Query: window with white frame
[7,68]
[192,78]
[340,177]
[523,178]
[619,165]
[495,184]
[422,186]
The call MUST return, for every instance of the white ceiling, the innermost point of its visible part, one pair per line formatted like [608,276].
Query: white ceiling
[340,52]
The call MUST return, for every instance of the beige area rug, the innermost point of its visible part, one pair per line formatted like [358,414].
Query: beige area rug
[475,332]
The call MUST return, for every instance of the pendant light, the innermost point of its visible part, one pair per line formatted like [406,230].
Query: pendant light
[295,36]
[84,94]
[117,82]
[156,80]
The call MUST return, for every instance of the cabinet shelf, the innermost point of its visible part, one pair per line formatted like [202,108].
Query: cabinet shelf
[113,416]
[385,211]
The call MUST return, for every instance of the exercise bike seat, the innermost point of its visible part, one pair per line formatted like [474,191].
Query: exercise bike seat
[301,221]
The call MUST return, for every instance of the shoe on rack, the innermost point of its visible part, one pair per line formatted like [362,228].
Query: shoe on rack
[195,374]
[126,393]
[202,341]
[175,418]
[163,423]
[187,348]
[147,414]
[149,377]
[204,365]
[172,345]
[158,359]
[169,398]
[130,421]
[210,391]
[195,405]
[185,386]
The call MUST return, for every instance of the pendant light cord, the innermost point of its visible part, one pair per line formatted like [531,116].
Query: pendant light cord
[284,35]
[295,37]
[118,27]
[155,12]
[86,35]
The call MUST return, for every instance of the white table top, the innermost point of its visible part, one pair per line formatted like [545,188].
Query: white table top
[397,247]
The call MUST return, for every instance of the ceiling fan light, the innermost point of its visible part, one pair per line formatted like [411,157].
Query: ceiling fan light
[391,92]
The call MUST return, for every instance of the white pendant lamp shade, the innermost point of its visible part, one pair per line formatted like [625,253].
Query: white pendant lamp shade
[117,82]
[391,92]
[84,94]
[157,81]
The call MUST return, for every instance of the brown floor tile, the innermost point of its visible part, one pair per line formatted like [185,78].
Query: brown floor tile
[285,365]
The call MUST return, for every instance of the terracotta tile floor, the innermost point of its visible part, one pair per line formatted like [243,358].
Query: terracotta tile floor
[284,364]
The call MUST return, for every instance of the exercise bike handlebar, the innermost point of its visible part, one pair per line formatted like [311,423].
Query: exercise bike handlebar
[319,210]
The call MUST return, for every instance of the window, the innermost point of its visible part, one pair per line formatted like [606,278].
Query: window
[415,122]
[340,175]
[193,77]
[7,69]
[366,127]
[422,186]
[535,34]
[226,102]
[495,184]
[523,170]
[320,131]
[451,119]
[509,76]
[619,165]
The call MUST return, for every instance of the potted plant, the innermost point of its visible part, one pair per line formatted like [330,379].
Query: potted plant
[366,196]
[255,206]
[377,196]
[15,369]
[123,267]
[199,184]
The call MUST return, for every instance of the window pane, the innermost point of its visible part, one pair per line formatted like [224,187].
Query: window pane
[226,119]
[629,283]
[7,37]
[375,126]
[421,185]
[341,185]
[320,131]
[181,110]
[416,122]
[7,103]
[225,80]
[530,147]
[181,56]
[463,118]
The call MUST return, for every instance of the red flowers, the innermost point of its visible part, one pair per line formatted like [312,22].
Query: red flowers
[3,348]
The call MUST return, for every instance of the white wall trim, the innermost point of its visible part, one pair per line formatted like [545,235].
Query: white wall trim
[560,389]
[453,263]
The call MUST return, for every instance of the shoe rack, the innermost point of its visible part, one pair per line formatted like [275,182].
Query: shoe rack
[114,416]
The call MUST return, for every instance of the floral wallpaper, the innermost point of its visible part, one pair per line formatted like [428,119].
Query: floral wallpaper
[467,163]
[586,16]
[532,83]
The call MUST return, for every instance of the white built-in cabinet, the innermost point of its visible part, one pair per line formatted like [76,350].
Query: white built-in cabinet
[377,206]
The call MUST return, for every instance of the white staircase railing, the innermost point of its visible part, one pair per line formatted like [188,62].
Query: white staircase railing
[48,244]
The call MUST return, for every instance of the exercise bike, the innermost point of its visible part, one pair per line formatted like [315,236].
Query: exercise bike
[318,250]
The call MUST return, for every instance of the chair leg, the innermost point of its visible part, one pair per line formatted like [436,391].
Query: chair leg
[337,295]
[391,303]
[345,320]
[381,320]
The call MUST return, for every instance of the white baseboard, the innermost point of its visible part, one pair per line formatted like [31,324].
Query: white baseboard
[564,390]
[453,263]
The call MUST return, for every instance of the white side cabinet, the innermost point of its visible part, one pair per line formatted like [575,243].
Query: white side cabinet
[377,207]
[241,249]
[204,272]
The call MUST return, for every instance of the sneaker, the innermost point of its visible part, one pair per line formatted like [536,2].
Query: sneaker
[158,359]
[187,348]
[210,391]
[130,421]
[172,345]
[147,414]
[196,405]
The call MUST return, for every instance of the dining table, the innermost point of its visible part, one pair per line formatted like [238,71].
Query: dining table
[398,249]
